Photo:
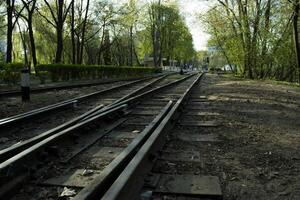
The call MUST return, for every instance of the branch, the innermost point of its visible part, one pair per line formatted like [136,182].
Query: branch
[17,16]
[54,25]
[66,13]
[51,11]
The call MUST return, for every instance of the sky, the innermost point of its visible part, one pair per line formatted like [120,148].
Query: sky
[190,9]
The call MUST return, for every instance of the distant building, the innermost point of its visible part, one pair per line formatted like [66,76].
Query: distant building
[229,68]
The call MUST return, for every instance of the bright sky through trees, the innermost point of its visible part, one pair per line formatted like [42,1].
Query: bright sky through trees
[190,9]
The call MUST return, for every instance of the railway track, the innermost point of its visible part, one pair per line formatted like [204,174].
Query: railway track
[15,166]
[168,165]
[10,121]
[9,93]
[36,121]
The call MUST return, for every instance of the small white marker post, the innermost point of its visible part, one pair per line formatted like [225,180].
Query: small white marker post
[25,85]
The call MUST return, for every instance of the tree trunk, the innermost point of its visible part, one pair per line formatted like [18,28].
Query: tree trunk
[131,46]
[264,42]
[22,36]
[101,43]
[32,42]
[83,32]
[59,47]
[60,21]
[296,36]
[73,32]
[9,46]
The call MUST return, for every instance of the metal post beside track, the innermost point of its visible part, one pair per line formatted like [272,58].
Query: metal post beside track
[25,85]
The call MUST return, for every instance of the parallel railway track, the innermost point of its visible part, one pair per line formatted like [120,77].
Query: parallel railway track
[10,93]
[167,166]
[11,121]
[14,164]
[63,115]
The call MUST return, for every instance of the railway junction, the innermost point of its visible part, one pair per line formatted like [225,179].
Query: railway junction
[168,136]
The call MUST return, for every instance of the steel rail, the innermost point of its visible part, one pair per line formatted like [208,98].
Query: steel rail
[15,161]
[7,153]
[10,151]
[130,181]
[9,93]
[17,164]
[133,100]
[14,149]
[113,170]
[137,91]
[6,122]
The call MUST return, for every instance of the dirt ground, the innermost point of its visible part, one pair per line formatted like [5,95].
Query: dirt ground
[257,156]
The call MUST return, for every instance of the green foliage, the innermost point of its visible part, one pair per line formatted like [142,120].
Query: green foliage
[175,40]
[259,42]
[115,34]
[10,73]
[75,72]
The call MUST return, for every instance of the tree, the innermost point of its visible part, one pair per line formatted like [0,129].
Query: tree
[256,37]
[99,32]
[296,8]
[10,5]
[58,15]
[30,6]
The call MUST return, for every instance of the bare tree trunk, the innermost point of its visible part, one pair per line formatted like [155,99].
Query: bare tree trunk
[59,19]
[32,42]
[131,46]
[296,35]
[136,56]
[24,45]
[59,49]
[83,32]
[101,43]
[29,19]
[264,42]
[10,7]
[73,32]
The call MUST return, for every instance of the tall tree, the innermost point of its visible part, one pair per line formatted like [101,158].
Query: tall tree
[296,8]
[30,6]
[12,18]
[257,36]
[10,5]
[72,26]
[58,14]
[83,31]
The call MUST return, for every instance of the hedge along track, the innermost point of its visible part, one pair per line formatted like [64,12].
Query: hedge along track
[29,125]
[19,166]
[9,93]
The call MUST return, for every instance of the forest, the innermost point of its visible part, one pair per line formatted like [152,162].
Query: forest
[85,32]
[259,37]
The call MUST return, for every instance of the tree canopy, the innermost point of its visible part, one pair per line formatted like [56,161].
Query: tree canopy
[93,32]
[260,37]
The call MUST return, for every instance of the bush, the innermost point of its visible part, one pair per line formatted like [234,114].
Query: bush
[10,73]
[43,75]
[75,72]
